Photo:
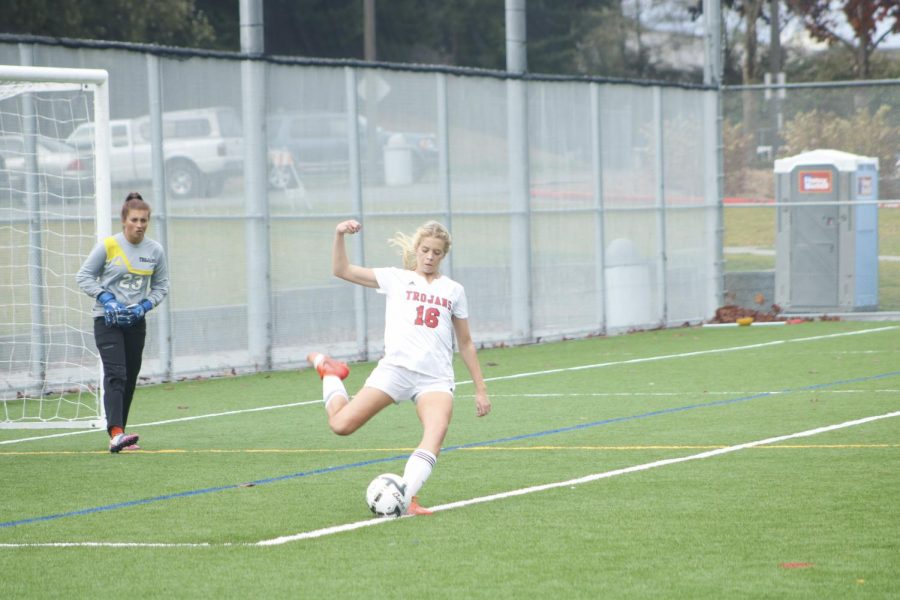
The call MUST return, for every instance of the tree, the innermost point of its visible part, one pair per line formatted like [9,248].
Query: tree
[751,11]
[555,28]
[225,19]
[869,21]
[613,44]
[314,28]
[166,22]
[469,33]
[637,39]
[836,64]
[464,32]
[740,178]
[865,132]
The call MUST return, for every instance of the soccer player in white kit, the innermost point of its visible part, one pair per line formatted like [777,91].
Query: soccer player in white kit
[423,312]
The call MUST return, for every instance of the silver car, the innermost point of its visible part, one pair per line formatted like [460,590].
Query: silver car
[62,171]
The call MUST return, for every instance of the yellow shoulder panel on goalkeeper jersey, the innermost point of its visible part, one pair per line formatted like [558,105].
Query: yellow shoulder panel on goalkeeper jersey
[115,254]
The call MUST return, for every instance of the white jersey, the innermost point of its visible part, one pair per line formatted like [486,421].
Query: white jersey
[418,327]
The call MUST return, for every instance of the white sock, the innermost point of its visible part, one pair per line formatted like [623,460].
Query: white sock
[417,470]
[332,387]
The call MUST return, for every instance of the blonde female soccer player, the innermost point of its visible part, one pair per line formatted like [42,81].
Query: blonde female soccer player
[128,275]
[423,312]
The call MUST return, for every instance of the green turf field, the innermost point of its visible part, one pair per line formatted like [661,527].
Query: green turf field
[751,462]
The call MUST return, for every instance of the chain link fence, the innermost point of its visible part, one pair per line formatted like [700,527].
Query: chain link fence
[763,124]
[609,221]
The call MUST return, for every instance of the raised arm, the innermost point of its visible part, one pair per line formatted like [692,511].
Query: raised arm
[340,264]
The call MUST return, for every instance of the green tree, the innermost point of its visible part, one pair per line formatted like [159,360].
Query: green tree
[464,32]
[602,45]
[737,146]
[472,33]
[865,133]
[749,13]
[314,28]
[836,64]
[166,22]
[225,19]
[867,23]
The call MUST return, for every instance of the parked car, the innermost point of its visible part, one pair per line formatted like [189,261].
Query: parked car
[62,171]
[318,141]
[201,149]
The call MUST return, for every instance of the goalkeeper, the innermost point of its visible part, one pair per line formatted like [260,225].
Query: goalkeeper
[128,276]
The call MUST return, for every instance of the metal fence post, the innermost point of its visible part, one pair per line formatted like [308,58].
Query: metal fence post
[164,314]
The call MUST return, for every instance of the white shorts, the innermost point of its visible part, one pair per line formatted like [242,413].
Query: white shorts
[402,384]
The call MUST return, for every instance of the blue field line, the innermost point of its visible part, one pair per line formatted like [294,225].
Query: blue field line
[398,457]
[668,411]
[209,490]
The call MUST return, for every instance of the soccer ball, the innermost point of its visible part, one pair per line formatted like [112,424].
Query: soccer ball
[386,495]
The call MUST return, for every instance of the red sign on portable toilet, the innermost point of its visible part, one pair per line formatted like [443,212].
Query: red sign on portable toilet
[814,182]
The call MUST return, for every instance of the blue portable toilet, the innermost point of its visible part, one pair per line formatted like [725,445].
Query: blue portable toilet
[826,242]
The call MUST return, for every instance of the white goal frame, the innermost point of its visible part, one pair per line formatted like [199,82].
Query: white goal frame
[57,79]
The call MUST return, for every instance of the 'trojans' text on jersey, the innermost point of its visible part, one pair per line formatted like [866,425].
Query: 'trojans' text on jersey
[428,299]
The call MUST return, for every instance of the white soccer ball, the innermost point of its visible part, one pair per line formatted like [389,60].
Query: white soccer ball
[386,495]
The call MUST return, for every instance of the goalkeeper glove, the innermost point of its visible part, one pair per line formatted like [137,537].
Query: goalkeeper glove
[114,312]
[125,318]
[140,309]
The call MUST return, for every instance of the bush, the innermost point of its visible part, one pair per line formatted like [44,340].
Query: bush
[741,179]
[863,133]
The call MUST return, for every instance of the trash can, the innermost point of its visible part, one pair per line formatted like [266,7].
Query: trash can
[628,291]
[826,239]
[398,161]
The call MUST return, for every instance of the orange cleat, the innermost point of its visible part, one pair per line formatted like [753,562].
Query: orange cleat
[416,509]
[328,366]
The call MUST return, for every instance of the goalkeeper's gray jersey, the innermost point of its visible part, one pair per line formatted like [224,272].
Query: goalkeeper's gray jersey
[130,272]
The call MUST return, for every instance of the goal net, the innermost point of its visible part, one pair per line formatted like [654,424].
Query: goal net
[54,206]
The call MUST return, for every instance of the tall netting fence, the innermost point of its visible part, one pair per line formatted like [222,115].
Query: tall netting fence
[823,249]
[617,227]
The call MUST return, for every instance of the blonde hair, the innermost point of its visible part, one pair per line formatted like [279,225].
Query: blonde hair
[409,244]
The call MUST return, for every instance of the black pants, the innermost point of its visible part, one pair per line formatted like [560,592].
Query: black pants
[121,351]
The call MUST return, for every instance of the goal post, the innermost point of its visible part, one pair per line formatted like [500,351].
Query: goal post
[55,203]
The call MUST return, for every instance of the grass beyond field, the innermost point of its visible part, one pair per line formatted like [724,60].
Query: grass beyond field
[751,462]
[750,246]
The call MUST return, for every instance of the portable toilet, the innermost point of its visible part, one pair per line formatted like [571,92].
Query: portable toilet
[826,242]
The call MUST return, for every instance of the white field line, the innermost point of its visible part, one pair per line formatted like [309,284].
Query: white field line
[570,482]
[499,378]
[680,394]
[634,361]
[316,533]
[114,545]
[757,251]
[168,421]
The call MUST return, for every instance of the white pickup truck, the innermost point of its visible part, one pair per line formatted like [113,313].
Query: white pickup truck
[201,149]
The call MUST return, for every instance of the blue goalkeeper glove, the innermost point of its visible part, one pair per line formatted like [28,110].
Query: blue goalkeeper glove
[114,312]
[140,309]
